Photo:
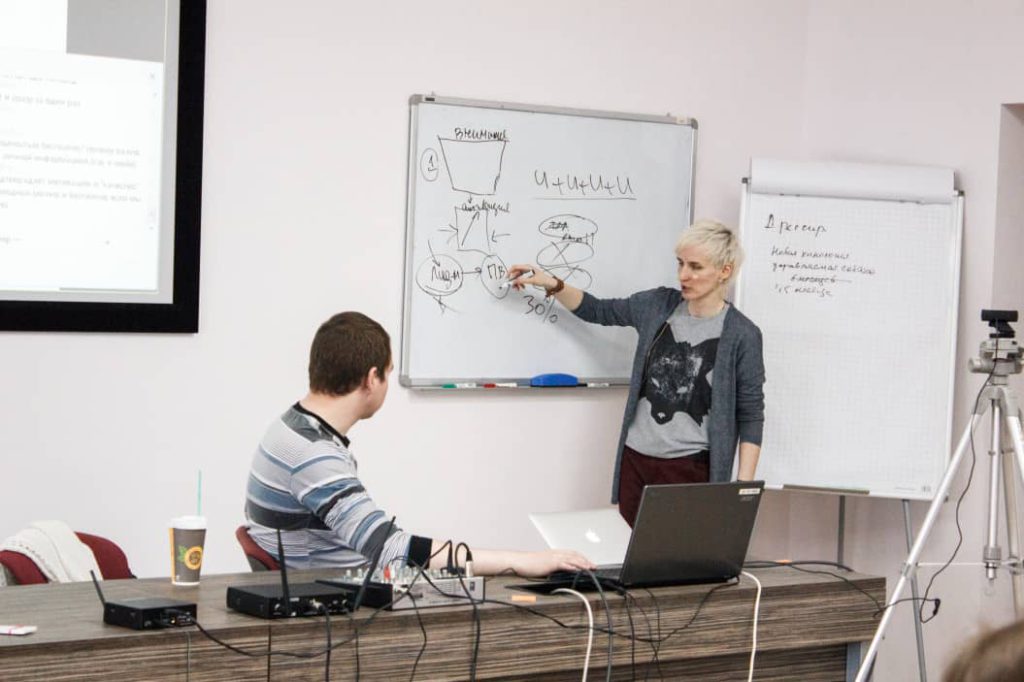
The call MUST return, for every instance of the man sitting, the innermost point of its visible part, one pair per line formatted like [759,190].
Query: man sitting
[304,477]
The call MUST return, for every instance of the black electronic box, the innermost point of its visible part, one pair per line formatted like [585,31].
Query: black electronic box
[149,614]
[268,601]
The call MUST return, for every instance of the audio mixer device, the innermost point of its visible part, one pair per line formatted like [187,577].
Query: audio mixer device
[406,588]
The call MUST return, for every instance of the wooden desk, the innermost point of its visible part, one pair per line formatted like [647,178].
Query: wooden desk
[811,628]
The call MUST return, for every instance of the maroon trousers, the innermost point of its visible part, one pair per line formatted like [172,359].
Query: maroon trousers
[640,470]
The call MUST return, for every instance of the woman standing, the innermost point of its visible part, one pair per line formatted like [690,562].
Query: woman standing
[696,385]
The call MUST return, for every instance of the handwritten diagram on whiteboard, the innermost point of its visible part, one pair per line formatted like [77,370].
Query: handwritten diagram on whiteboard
[595,200]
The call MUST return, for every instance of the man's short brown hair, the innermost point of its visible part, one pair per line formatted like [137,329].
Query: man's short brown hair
[344,350]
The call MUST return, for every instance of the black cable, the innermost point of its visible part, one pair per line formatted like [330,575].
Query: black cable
[631,603]
[629,598]
[967,486]
[700,606]
[655,642]
[355,633]
[880,607]
[654,658]
[291,654]
[472,602]
[327,657]
[188,620]
[263,654]
[799,562]
[632,631]
[796,566]
[423,629]
[566,626]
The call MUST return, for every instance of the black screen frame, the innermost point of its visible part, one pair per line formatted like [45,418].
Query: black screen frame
[182,314]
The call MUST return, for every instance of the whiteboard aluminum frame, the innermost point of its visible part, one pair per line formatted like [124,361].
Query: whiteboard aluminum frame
[410,203]
[958,216]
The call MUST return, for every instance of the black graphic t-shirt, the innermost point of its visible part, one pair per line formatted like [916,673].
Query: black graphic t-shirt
[675,398]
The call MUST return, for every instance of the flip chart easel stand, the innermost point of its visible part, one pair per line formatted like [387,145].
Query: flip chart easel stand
[922,670]
[1000,356]
[840,559]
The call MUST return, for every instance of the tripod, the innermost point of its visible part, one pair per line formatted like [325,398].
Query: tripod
[999,357]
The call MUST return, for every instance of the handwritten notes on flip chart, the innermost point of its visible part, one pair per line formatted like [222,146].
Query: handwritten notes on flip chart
[856,295]
[814,271]
[593,198]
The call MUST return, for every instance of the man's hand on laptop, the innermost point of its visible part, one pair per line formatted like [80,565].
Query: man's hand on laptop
[525,564]
[539,564]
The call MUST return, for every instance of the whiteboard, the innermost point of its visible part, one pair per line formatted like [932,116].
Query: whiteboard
[856,295]
[595,198]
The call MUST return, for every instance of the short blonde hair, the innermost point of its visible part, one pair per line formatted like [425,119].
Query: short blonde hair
[719,243]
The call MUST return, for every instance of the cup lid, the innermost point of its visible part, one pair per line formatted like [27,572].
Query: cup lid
[189,522]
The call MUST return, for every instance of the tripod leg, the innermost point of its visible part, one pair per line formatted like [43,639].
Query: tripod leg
[1017,438]
[910,565]
[1013,533]
[1013,425]
[992,555]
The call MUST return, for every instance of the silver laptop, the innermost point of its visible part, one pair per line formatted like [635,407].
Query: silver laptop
[685,533]
[601,535]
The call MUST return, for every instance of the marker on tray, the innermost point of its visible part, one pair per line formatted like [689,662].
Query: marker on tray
[460,385]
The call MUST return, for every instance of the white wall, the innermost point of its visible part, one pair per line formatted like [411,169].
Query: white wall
[1008,284]
[303,216]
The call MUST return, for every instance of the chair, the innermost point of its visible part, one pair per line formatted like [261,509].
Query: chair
[109,557]
[259,558]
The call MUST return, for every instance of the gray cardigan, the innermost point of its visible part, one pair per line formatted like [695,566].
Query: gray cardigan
[737,396]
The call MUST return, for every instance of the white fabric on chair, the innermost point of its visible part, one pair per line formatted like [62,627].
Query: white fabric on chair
[55,549]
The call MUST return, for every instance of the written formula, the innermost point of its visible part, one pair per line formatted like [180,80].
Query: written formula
[618,186]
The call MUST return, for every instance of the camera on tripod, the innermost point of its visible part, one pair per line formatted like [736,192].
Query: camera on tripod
[1000,321]
[999,354]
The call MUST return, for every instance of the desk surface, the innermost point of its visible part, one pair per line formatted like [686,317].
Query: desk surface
[805,623]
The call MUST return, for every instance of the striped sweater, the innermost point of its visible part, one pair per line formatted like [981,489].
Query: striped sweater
[304,481]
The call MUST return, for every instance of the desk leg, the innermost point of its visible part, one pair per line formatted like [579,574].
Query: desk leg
[854,656]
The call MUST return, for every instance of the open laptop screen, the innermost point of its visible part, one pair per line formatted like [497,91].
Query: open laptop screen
[601,535]
[684,533]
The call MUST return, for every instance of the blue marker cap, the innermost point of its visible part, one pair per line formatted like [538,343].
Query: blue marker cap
[554,380]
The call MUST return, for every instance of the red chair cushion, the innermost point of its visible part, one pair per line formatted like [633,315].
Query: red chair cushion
[110,558]
[259,559]
[23,569]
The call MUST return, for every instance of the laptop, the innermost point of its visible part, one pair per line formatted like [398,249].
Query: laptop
[684,533]
[601,535]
